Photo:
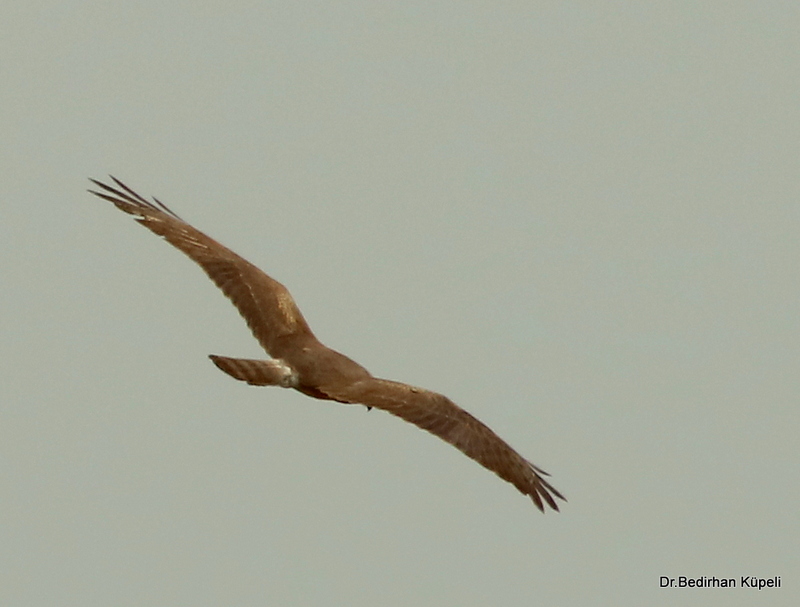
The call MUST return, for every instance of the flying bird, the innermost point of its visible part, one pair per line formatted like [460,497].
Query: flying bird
[298,360]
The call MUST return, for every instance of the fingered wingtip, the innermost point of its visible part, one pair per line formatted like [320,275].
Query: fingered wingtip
[122,194]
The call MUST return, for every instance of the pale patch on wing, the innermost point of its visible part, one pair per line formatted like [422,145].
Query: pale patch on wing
[288,308]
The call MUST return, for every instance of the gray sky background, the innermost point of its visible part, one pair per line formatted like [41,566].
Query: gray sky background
[578,220]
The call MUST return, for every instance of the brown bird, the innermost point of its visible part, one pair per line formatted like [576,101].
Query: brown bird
[300,361]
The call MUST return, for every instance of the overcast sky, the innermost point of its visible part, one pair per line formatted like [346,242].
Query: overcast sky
[577,220]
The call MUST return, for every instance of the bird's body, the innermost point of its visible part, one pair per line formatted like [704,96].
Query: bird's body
[300,361]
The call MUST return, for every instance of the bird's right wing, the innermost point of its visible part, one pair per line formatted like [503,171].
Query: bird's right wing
[440,416]
[263,302]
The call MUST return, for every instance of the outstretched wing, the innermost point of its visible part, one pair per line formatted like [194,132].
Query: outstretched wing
[441,416]
[264,303]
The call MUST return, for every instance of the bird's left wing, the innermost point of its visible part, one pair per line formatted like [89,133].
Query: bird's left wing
[263,302]
[440,416]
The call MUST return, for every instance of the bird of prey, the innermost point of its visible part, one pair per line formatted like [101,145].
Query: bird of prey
[298,360]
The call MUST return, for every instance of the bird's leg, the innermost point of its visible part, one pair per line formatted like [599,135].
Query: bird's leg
[258,372]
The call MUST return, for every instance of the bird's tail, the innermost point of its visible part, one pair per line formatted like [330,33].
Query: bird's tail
[257,372]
